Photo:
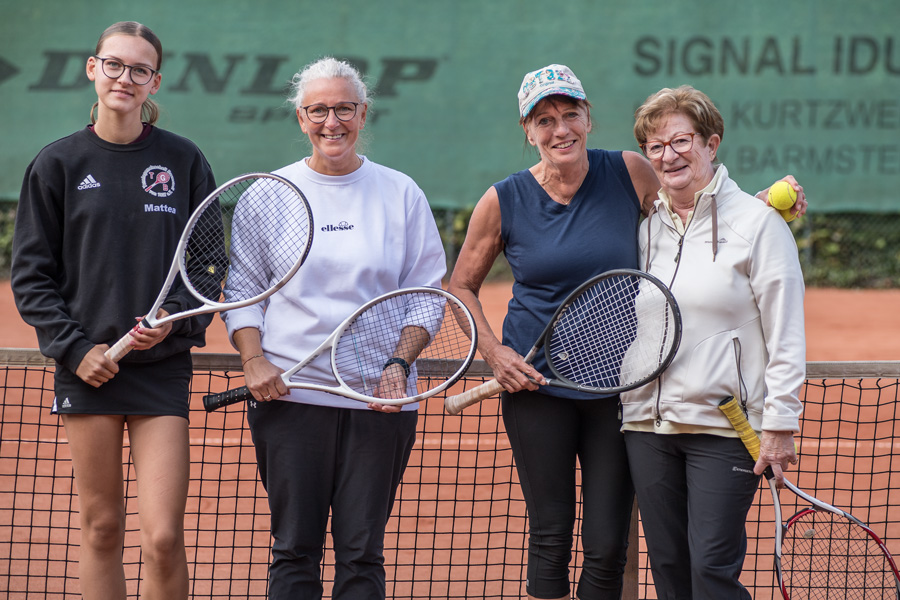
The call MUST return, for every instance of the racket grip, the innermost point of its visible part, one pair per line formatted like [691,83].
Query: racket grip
[213,401]
[732,410]
[120,348]
[123,346]
[454,404]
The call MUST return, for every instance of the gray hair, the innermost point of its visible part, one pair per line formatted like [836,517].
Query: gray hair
[326,68]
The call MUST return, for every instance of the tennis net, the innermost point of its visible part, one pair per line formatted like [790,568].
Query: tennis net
[459,525]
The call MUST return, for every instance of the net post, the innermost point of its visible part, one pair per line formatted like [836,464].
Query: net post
[630,584]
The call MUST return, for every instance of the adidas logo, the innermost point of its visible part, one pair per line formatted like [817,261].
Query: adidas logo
[88,183]
[66,403]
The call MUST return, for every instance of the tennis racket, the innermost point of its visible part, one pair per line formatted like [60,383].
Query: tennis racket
[615,332]
[264,215]
[395,349]
[822,552]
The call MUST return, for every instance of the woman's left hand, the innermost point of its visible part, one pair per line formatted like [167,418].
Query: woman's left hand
[776,450]
[392,385]
[144,338]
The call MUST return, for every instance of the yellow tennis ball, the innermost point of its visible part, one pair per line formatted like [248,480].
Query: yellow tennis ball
[782,195]
[788,215]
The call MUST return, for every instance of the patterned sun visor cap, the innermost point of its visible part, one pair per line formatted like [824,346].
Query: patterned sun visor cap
[552,79]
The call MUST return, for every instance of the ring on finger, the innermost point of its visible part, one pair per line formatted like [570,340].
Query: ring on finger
[267,397]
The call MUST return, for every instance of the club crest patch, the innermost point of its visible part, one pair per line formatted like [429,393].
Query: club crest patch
[158,181]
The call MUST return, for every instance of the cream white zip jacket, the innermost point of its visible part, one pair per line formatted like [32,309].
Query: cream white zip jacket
[736,276]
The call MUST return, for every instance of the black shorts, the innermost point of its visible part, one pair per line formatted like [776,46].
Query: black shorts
[158,388]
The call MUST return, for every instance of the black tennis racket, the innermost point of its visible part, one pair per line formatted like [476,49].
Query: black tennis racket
[265,215]
[822,552]
[401,347]
[617,331]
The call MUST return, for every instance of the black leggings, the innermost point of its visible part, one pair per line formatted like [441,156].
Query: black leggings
[547,435]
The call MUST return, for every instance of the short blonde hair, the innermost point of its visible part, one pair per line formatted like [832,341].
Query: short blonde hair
[685,100]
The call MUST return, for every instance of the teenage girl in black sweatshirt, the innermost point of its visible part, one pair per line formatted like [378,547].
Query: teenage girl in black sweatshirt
[99,216]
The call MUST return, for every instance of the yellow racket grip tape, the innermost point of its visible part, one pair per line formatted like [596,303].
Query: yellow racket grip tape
[732,410]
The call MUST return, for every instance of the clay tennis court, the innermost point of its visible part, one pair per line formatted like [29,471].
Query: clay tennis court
[459,525]
[841,325]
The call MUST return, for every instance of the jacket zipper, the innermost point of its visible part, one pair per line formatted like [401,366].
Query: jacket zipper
[659,380]
[742,389]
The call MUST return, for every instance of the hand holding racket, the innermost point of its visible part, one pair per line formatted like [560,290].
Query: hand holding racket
[246,209]
[396,349]
[615,332]
[822,551]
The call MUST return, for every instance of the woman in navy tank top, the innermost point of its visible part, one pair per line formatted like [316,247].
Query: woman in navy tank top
[571,216]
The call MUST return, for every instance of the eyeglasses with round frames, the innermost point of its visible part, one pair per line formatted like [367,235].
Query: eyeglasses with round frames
[113,69]
[680,144]
[318,113]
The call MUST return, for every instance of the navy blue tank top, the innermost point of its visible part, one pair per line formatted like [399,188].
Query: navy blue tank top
[553,248]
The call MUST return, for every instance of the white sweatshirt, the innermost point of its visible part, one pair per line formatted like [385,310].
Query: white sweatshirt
[373,233]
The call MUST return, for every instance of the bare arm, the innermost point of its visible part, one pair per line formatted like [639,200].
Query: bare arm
[643,178]
[261,376]
[481,247]
[392,384]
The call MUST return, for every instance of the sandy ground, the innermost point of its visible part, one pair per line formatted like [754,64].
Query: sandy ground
[841,325]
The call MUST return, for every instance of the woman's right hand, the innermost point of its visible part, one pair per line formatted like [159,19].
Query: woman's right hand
[95,368]
[263,379]
[511,370]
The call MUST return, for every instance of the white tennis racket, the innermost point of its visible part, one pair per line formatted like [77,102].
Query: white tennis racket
[617,331]
[401,347]
[249,211]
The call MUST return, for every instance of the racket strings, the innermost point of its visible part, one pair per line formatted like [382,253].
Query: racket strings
[419,328]
[268,224]
[616,333]
[826,557]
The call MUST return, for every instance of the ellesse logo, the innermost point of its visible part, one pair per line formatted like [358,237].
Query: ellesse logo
[342,226]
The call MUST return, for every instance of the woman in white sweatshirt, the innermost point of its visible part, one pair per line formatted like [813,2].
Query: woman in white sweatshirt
[732,264]
[319,453]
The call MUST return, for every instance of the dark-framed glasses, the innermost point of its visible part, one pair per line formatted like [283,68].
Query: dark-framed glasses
[113,69]
[681,143]
[318,113]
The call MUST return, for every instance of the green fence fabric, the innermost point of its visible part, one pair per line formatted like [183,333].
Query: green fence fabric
[810,88]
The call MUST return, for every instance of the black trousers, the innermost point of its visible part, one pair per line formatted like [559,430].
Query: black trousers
[548,435]
[313,460]
[694,492]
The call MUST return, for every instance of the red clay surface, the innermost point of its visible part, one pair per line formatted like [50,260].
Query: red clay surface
[841,325]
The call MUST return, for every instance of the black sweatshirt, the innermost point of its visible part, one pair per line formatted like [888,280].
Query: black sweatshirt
[96,231]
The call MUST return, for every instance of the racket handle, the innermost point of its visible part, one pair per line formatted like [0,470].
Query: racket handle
[454,404]
[120,348]
[732,410]
[123,346]
[213,401]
